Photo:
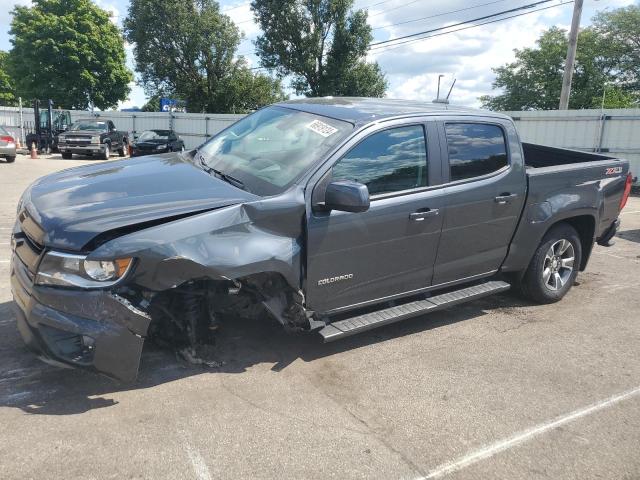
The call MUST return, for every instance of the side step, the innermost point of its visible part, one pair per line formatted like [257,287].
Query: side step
[368,321]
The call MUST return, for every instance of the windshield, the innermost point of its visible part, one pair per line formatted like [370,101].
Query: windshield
[154,135]
[268,150]
[88,125]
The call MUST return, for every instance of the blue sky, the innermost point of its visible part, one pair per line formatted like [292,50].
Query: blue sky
[413,69]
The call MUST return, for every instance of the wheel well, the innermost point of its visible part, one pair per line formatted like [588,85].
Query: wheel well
[585,225]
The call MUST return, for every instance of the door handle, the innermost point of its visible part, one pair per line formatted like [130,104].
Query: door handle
[505,198]
[421,215]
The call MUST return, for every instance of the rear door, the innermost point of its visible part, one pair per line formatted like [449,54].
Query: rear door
[485,191]
[358,258]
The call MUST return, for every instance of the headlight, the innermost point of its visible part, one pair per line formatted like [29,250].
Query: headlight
[160,147]
[95,139]
[66,270]
[62,140]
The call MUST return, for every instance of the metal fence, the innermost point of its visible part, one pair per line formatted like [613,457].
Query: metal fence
[194,128]
[614,131]
[611,131]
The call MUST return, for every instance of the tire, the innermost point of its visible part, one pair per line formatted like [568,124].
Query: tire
[124,151]
[67,156]
[107,152]
[554,266]
[11,159]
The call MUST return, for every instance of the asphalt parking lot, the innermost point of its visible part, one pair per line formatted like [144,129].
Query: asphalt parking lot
[497,388]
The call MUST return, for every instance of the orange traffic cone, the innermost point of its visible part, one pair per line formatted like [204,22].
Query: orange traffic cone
[34,152]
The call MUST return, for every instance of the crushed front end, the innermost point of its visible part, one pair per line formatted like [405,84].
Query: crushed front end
[96,329]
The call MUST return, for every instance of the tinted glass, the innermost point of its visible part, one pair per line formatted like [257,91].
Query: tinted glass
[154,135]
[269,150]
[89,125]
[475,149]
[388,161]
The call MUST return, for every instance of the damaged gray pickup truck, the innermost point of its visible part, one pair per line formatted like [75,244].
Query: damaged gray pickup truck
[333,215]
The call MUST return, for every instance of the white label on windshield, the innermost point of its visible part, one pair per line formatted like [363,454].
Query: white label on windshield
[322,128]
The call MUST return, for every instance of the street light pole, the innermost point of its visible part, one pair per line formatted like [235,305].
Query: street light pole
[571,55]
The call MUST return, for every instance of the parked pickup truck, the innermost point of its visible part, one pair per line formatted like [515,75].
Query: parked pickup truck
[93,137]
[329,215]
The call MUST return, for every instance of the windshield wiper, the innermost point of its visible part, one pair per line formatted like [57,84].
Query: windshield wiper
[222,176]
[227,178]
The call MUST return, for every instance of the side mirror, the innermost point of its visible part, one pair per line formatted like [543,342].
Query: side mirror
[65,127]
[347,196]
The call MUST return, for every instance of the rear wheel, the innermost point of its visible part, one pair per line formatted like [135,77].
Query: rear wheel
[554,266]
[106,153]
[124,151]
[67,156]
[11,159]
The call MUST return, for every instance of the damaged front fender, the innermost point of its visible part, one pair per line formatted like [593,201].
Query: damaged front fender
[228,243]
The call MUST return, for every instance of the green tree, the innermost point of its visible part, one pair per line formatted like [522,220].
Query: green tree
[615,98]
[186,49]
[7,91]
[620,31]
[322,44]
[608,54]
[68,50]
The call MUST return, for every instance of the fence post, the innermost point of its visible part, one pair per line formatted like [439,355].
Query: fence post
[22,139]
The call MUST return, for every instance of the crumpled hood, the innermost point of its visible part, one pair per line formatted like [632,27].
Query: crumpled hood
[73,206]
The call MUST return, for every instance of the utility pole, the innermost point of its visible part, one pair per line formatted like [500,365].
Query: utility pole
[571,55]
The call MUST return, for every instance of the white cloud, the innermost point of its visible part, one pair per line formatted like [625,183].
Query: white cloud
[468,55]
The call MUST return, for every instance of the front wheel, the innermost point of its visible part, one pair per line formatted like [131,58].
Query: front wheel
[106,154]
[67,155]
[554,266]
[11,159]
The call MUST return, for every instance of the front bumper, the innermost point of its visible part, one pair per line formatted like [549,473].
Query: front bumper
[96,330]
[81,149]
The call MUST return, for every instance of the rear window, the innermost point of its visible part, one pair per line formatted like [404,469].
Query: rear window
[475,149]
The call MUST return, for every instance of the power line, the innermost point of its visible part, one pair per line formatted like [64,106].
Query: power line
[438,15]
[392,47]
[524,7]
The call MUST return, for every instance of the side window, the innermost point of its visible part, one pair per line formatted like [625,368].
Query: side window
[387,161]
[111,125]
[475,149]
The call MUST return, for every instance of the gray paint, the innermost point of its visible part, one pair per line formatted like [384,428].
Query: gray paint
[180,224]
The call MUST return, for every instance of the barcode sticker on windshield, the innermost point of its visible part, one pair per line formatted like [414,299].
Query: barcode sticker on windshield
[322,128]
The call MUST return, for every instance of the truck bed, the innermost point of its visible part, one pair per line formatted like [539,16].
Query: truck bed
[580,182]
[540,156]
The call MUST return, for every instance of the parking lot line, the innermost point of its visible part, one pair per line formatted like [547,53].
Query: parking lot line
[526,435]
[197,462]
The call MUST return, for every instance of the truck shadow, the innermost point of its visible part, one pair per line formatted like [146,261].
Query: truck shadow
[37,388]
[631,235]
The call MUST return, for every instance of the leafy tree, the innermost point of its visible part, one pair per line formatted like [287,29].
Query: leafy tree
[620,30]
[7,96]
[534,80]
[322,44]
[608,54]
[616,98]
[68,50]
[186,49]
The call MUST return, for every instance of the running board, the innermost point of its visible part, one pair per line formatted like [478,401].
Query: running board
[368,321]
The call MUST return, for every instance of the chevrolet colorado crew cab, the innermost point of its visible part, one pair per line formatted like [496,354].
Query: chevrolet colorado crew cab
[94,137]
[334,215]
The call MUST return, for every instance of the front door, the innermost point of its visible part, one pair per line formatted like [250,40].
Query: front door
[357,258]
[484,197]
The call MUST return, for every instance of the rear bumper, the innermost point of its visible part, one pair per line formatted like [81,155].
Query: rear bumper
[94,330]
[605,238]
[8,151]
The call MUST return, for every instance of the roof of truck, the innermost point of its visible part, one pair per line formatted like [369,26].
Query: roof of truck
[360,110]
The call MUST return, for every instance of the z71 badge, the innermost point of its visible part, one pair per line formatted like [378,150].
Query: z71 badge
[613,170]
